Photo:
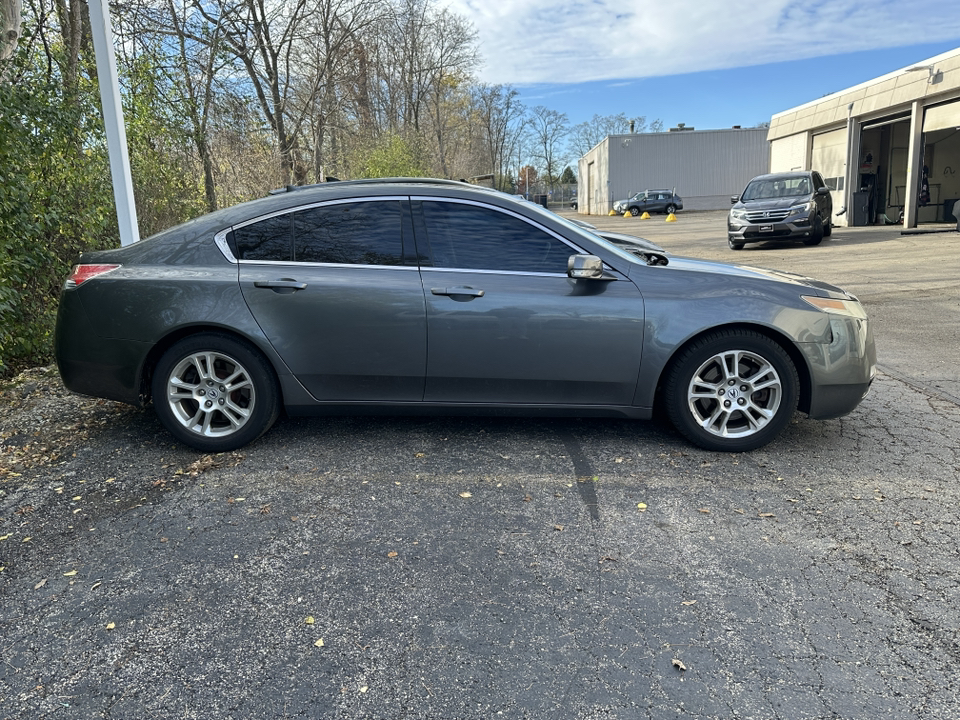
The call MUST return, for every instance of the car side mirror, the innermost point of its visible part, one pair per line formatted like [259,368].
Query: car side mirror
[734,199]
[823,191]
[588,267]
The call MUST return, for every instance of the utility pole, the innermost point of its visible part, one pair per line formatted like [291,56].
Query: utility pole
[102,33]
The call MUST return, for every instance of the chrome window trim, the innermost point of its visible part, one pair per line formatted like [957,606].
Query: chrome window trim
[291,263]
[310,206]
[221,240]
[525,273]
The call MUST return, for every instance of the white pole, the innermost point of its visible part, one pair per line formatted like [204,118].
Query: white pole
[113,121]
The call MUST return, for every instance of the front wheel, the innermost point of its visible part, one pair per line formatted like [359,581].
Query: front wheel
[214,392]
[634,211]
[732,391]
[734,245]
[828,228]
[817,233]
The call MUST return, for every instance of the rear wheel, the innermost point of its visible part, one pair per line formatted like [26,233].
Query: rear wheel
[214,392]
[732,391]
[671,209]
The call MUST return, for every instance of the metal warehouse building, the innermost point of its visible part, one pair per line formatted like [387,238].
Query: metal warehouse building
[705,167]
[889,148]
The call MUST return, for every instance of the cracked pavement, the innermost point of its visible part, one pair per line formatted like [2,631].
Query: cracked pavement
[484,568]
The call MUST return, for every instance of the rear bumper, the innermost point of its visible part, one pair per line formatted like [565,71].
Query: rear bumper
[93,365]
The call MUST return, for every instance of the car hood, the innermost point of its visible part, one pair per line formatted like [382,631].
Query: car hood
[773,203]
[807,284]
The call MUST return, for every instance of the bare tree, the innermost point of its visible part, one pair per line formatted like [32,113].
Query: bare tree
[500,116]
[549,128]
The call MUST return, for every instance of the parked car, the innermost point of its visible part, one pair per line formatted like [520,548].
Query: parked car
[787,206]
[321,300]
[651,201]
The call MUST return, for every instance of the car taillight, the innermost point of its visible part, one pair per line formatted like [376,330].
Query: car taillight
[82,273]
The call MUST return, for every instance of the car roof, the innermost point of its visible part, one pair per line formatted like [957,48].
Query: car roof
[790,174]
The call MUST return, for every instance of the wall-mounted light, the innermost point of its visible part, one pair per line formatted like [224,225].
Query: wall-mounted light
[933,75]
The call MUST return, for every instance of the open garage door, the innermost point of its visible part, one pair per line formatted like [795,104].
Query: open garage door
[941,159]
[829,158]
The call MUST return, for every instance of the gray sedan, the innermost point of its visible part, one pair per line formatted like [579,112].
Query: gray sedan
[401,295]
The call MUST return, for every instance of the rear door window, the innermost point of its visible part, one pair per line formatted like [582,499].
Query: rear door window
[355,233]
[269,240]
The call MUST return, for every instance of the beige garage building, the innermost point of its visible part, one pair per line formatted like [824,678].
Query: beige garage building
[889,148]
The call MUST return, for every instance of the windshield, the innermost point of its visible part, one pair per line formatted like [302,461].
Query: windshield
[777,186]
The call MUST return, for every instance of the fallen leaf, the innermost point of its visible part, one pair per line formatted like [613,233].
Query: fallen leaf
[96,585]
[704,510]
[642,507]
[558,528]
[111,626]
[319,643]
[678,664]
[689,602]
[27,539]
[40,584]
[78,497]
[4,537]
[419,455]
[70,574]
[918,522]
[364,689]
[466,494]
[309,620]
[392,554]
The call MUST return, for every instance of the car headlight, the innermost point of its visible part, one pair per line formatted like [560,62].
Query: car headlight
[738,214]
[801,209]
[850,308]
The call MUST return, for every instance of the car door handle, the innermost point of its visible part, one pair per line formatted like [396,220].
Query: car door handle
[457,291]
[283,285]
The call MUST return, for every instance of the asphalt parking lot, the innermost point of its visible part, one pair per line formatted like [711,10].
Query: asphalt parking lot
[486,568]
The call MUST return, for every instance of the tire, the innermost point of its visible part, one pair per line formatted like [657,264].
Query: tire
[816,235]
[734,245]
[195,402]
[634,211]
[726,366]
[828,228]
[670,209]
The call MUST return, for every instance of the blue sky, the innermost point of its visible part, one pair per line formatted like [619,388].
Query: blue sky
[705,63]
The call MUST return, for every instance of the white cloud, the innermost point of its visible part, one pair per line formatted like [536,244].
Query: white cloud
[550,41]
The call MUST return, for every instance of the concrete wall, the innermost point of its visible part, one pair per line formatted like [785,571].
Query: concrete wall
[705,167]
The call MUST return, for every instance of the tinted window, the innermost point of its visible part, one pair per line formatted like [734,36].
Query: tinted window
[361,233]
[269,239]
[467,236]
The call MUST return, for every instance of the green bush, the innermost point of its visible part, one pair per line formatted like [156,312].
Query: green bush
[55,202]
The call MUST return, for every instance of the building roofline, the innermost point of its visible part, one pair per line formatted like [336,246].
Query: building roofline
[875,81]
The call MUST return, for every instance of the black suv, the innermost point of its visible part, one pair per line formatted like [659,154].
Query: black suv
[781,205]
